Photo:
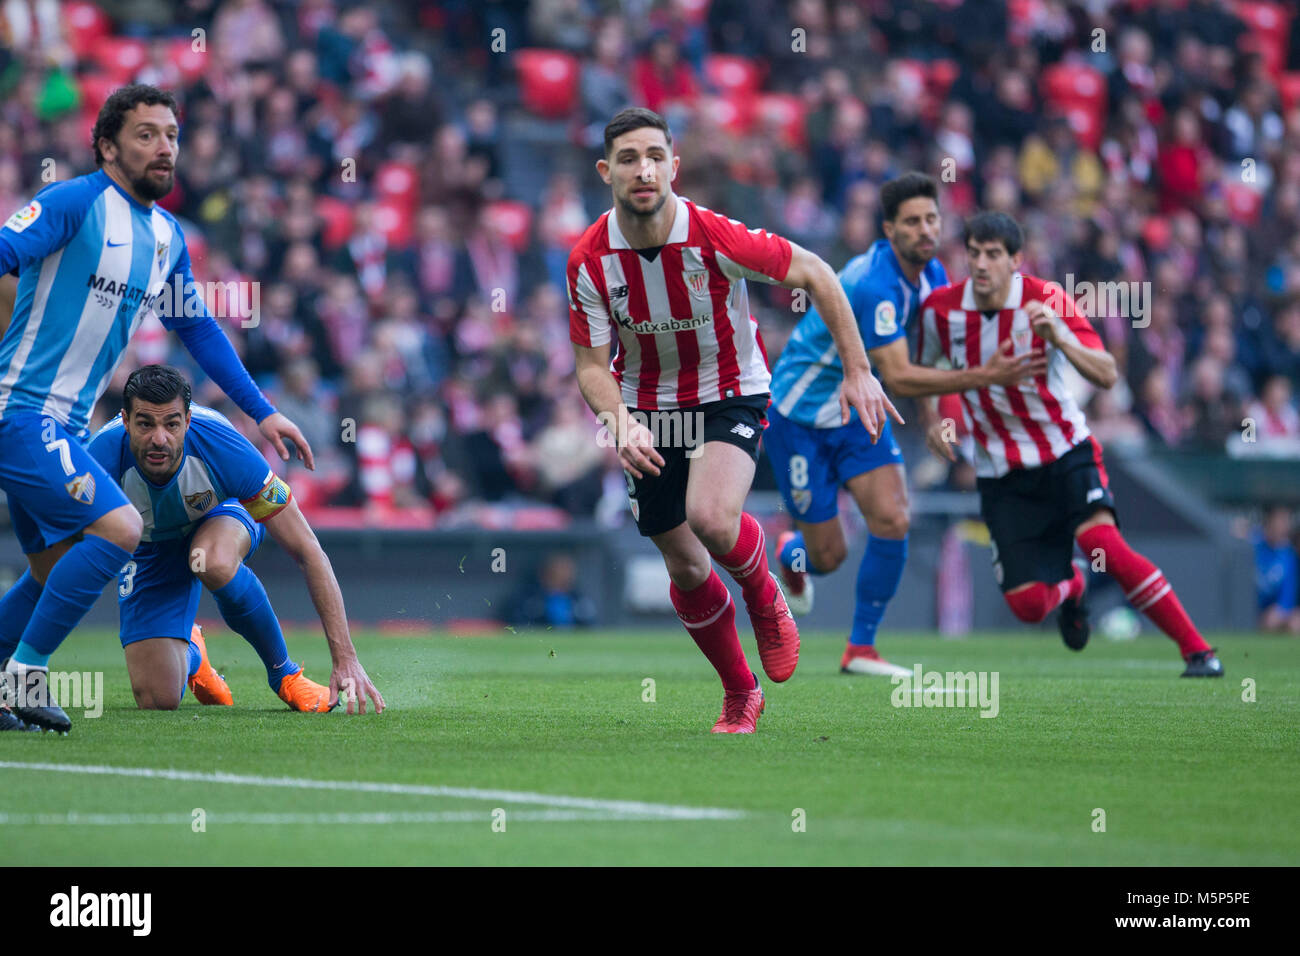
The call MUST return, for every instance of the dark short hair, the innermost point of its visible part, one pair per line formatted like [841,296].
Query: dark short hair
[907,186]
[991,226]
[157,385]
[112,115]
[634,117]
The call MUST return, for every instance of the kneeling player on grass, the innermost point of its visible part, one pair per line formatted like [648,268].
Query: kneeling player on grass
[666,280]
[813,454]
[1041,479]
[207,498]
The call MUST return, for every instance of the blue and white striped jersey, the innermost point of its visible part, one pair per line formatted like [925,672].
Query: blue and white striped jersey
[807,378]
[218,463]
[91,262]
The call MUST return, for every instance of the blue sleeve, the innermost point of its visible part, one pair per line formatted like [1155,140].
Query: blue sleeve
[44,224]
[879,313]
[1286,598]
[204,339]
[238,467]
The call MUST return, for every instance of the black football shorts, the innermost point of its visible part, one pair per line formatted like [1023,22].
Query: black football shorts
[659,501]
[1032,514]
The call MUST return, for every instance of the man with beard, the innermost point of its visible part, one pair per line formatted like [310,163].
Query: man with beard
[93,255]
[814,454]
[686,395]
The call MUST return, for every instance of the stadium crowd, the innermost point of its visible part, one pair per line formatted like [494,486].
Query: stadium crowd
[404,182]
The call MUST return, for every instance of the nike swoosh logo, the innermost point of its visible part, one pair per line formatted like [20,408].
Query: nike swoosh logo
[112,244]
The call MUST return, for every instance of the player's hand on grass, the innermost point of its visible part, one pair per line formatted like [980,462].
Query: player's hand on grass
[863,391]
[350,676]
[1043,321]
[637,451]
[1007,368]
[277,429]
[934,440]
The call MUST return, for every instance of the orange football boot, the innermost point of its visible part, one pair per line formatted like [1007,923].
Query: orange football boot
[207,686]
[305,695]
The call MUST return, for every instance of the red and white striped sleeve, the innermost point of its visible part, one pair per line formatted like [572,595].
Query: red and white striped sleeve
[1078,329]
[588,316]
[744,253]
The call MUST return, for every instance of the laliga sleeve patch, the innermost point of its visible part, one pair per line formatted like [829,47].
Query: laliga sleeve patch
[270,501]
[886,318]
[24,217]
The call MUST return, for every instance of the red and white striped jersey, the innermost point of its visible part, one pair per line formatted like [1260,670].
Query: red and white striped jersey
[1025,425]
[685,333]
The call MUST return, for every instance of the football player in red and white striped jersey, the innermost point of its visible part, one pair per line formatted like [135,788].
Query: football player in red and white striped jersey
[1041,478]
[686,395]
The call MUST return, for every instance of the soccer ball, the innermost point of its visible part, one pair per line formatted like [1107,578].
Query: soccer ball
[1120,624]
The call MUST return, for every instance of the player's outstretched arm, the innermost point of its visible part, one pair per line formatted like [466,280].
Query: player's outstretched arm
[1095,364]
[291,531]
[861,390]
[904,378]
[600,389]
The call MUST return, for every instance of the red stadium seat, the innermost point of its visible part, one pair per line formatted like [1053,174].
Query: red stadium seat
[548,81]
[399,182]
[395,221]
[185,58]
[86,25]
[1079,93]
[1288,88]
[120,57]
[734,114]
[1269,25]
[513,220]
[1244,203]
[336,216]
[788,114]
[728,74]
[940,77]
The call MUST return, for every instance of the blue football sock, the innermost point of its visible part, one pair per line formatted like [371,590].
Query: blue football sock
[196,660]
[246,608]
[16,610]
[794,550]
[878,577]
[73,586]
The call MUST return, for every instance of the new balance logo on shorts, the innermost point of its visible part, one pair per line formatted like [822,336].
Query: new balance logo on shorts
[1094,494]
[743,430]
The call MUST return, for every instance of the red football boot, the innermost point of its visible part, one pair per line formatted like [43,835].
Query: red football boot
[777,635]
[740,710]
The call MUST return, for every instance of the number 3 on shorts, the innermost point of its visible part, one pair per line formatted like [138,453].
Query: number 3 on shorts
[128,580]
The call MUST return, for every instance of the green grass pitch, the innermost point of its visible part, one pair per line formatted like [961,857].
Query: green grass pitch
[554,730]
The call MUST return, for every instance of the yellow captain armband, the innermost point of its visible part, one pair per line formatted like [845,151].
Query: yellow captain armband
[270,501]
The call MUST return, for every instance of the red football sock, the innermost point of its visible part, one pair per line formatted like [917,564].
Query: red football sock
[710,615]
[1035,602]
[747,563]
[1144,585]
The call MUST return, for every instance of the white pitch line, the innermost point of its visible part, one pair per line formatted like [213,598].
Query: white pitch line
[638,808]
[307,819]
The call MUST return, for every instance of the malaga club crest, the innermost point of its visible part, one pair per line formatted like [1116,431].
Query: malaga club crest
[82,488]
[200,500]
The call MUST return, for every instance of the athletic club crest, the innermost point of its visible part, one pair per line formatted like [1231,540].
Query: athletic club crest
[82,488]
[697,280]
[1021,339]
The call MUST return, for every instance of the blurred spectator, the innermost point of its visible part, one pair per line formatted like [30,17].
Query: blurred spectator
[1275,416]
[1277,579]
[555,599]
